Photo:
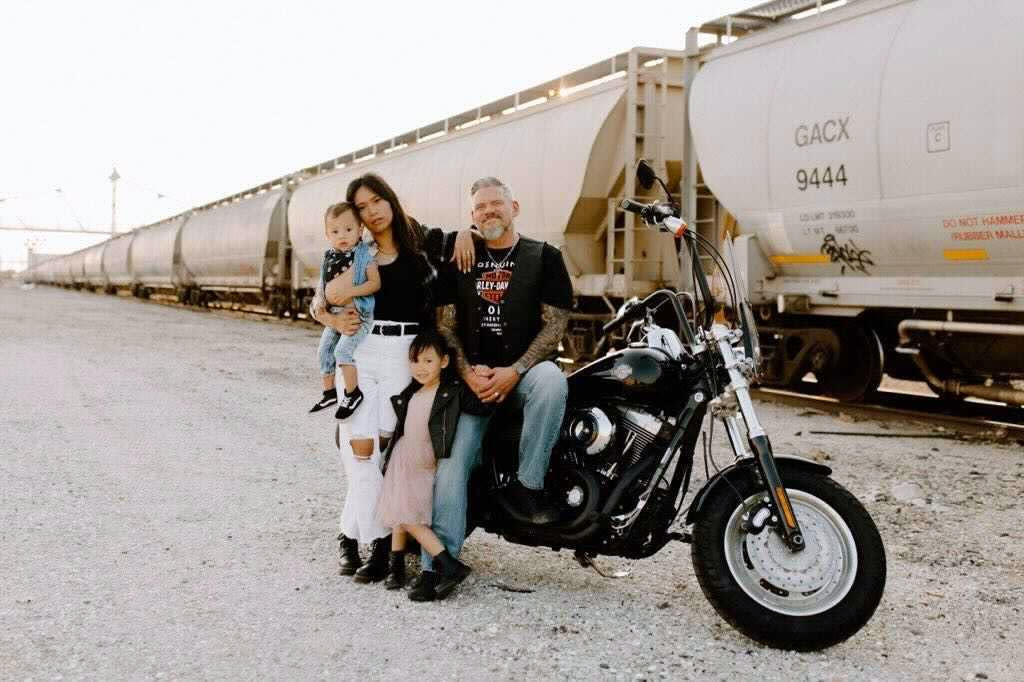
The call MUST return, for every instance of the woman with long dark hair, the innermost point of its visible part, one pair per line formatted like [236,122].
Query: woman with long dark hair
[407,258]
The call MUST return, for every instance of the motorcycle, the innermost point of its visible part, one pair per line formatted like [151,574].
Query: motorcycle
[785,554]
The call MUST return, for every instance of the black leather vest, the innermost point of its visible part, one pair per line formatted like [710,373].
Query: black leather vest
[521,307]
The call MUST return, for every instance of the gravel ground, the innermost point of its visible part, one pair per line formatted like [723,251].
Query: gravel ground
[169,510]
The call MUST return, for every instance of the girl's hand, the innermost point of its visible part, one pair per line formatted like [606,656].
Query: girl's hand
[465,251]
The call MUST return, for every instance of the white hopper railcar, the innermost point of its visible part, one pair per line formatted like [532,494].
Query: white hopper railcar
[156,258]
[237,251]
[873,158]
[92,264]
[117,264]
[74,268]
[567,148]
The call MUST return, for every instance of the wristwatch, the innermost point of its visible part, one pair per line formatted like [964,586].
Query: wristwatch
[520,369]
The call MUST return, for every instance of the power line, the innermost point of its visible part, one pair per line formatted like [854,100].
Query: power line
[71,208]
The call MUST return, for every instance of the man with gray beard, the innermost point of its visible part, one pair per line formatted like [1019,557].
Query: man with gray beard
[504,320]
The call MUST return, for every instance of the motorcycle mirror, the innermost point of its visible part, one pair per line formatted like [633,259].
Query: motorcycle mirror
[645,174]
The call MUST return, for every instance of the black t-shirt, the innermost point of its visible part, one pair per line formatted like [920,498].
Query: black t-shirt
[493,272]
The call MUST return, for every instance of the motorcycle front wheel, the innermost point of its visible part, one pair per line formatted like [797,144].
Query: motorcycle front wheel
[802,601]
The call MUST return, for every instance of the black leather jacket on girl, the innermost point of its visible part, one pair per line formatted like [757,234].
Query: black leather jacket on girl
[452,398]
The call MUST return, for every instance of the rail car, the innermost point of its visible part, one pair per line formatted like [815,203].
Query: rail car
[872,156]
[871,175]
[566,146]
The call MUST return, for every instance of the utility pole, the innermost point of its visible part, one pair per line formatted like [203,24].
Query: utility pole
[114,177]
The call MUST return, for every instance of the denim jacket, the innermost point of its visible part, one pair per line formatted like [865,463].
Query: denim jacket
[363,258]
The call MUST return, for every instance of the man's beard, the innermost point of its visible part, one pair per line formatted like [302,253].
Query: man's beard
[492,233]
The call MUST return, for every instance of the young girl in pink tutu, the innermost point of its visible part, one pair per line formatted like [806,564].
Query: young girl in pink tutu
[428,412]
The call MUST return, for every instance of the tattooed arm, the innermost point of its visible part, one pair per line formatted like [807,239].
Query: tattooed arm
[554,322]
[447,325]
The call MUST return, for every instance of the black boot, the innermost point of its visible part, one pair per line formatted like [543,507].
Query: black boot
[396,572]
[424,590]
[531,506]
[451,572]
[348,555]
[376,567]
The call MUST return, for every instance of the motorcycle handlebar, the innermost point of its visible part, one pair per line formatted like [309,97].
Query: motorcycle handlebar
[627,316]
[651,213]
[657,214]
[631,206]
[639,309]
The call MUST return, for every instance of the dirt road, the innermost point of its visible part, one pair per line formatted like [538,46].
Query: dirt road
[169,509]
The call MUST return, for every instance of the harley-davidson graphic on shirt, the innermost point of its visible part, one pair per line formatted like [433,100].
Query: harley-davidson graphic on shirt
[493,272]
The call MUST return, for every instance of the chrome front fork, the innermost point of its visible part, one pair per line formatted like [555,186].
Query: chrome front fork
[784,517]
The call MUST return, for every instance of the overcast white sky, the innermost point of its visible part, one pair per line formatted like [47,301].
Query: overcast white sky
[197,100]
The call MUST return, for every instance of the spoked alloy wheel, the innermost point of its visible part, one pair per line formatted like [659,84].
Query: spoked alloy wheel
[793,600]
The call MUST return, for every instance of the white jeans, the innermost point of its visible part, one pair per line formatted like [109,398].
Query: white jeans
[383,366]
[358,515]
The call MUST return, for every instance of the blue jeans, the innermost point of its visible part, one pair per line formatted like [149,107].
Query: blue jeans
[337,349]
[541,394]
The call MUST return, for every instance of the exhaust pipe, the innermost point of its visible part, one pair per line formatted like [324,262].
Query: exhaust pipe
[954,386]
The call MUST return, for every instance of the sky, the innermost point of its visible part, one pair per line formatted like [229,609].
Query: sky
[193,101]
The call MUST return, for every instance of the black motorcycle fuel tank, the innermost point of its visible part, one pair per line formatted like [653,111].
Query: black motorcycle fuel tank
[643,376]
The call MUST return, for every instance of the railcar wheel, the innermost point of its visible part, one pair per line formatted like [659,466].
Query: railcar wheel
[857,372]
[804,600]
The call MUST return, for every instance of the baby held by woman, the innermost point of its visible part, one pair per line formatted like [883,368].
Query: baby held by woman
[348,254]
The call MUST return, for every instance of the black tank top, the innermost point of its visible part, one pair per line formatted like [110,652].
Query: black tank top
[403,295]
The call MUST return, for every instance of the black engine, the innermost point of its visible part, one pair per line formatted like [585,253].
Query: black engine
[600,445]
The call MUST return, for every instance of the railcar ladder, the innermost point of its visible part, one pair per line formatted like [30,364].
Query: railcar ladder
[646,119]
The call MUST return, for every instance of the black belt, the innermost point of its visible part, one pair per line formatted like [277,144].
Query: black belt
[395,329]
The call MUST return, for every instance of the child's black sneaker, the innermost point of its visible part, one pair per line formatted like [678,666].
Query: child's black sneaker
[348,403]
[329,398]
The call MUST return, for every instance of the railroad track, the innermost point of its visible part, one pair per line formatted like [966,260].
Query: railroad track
[228,309]
[966,419]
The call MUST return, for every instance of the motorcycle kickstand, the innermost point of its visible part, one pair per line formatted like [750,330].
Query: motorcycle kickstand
[587,561]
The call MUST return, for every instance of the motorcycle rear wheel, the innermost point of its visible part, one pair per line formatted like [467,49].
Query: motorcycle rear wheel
[802,601]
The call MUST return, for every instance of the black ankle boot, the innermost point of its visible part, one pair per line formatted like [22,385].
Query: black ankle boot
[348,555]
[451,572]
[423,590]
[396,572]
[376,567]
